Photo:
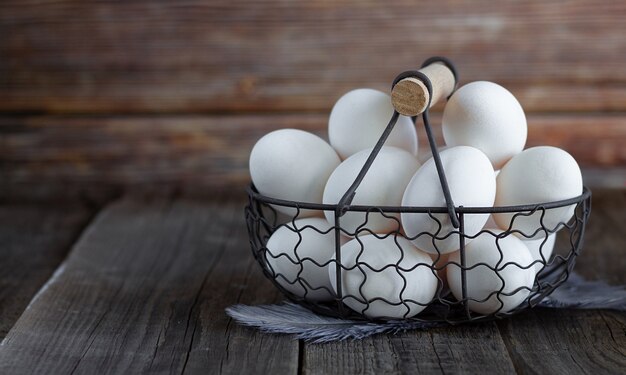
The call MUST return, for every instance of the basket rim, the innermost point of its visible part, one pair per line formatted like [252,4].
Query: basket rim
[255,194]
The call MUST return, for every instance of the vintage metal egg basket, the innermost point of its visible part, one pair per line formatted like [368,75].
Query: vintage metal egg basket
[413,92]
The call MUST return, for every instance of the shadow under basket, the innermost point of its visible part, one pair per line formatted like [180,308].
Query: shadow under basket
[450,221]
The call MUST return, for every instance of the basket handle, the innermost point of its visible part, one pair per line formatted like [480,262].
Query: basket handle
[411,95]
[415,95]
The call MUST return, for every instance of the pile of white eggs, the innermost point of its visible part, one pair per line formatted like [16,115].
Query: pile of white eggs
[394,265]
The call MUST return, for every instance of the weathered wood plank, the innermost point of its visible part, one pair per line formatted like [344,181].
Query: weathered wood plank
[34,239]
[211,152]
[221,345]
[144,290]
[576,342]
[475,349]
[242,55]
[566,342]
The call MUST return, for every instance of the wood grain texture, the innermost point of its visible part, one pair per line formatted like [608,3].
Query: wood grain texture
[466,349]
[241,55]
[551,341]
[144,290]
[34,240]
[566,341]
[205,153]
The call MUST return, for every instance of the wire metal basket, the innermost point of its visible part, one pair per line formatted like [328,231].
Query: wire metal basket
[349,273]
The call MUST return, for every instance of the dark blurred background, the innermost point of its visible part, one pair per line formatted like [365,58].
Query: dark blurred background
[100,97]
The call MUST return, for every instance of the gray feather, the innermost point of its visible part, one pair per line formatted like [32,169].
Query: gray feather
[289,318]
[577,293]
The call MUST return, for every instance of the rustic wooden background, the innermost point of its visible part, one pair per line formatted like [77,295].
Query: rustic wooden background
[105,96]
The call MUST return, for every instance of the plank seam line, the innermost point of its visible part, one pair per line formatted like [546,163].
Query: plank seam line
[57,273]
[607,326]
[432,343]
[228,330]
[181,236]
[300,357]
[582,369]
[508,345]
[91,334]
[37,295]
[163,330]
[156,348]
[189,316]
[222,250]
[78,237]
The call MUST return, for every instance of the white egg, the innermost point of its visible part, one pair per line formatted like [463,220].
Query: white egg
[486,116]
[383,185]
[440,262]
[427,154]
[537,247]
[472,183]
[293,165]
[274,217]
[538,175]
[491,287]
[292,254]
[371,272]
[491,223]
[359,118]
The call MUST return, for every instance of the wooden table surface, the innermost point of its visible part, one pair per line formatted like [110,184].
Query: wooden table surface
[139,284]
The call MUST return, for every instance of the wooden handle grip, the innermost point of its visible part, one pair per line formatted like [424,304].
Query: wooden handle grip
[410,96]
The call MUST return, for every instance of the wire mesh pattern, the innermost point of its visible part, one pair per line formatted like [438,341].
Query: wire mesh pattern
[360,274]
[263,220]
